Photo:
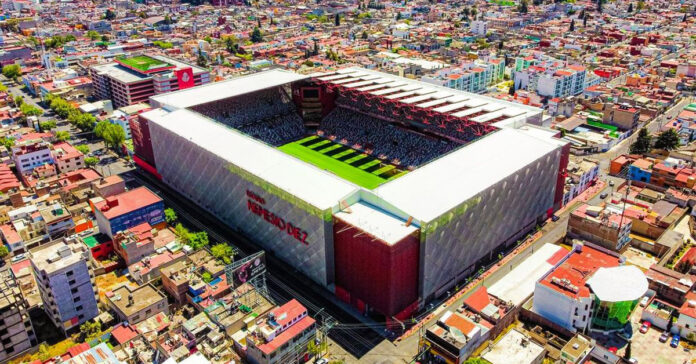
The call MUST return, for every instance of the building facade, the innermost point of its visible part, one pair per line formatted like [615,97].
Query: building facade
[66,283]
[16,331]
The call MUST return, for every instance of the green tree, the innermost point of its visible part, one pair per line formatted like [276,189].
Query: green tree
[668,140]
[93,35]
[7,142]
[47,125]
[256,35]
[198,240]
[90,330]
[104,38]
[223,252]
[207,277]
[3,88]
[82,149]
[182,233]
[398,16]
[3,251]
[599,6]
[475,361]
[643,143]
[30,110]
[62,136]
[170,215]
[100,128]
[630,7]
[114,136]
[523,7]
[364,35]
[44,354]
[18,100]
[12,71]
[91,161]
[109,14]
[572,25]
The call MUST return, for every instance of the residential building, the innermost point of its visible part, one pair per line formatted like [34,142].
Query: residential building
[16,331]
[601,226]
[122,116]
[136,305]
[479,27]
[67,158]
[128,209]
[582,173]
[133,80]
[514,347]
[109,186]
[590,289]
[452,338]
[135,243]
[57,219]
[29,156]
[469,76]
[283,336]
[670,285]
[66,283]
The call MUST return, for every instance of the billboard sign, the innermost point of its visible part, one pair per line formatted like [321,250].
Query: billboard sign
[185,78]
[245,270]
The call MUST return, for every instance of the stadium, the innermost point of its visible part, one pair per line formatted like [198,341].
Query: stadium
[387,191]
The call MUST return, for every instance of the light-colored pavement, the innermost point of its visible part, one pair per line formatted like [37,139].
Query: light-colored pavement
[647,347]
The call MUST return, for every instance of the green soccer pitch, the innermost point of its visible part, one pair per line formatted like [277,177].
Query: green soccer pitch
[347,163]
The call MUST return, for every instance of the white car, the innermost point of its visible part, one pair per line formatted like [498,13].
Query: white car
[644,301]
[18,258]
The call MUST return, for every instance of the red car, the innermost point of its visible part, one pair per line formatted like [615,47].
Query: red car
[645,327]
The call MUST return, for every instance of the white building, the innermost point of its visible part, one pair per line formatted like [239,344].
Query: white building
[28,157]
[66,283]
[479,27]
[579,293]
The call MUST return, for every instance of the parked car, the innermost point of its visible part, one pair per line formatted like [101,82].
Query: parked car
[603,195]
[644,301]
[664,337]
[633,361]
[18,258]
[645,327]
[322,361]
[554,218]
[675,341]
[611,183]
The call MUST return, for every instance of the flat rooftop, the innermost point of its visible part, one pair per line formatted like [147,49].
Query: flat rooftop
[514,347]
[143,297]
[125,75]
[519,283]
[47,257]
[126,202]
[377,223]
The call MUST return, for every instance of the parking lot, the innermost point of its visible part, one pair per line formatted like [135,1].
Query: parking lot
[647,347]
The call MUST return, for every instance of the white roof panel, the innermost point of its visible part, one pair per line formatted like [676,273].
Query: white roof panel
[316,186]
[381,225]
[618,284]
[221,90]
[460,175]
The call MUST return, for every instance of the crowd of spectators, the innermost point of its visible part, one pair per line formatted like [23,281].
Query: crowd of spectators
[382,139]
[268,115]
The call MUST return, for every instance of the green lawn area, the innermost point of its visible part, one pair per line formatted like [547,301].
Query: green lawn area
[143,63]
[339,168]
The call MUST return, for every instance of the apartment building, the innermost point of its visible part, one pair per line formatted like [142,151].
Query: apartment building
[29,156]
[471,76]
[66,283]
[283,336]
[601,226]
[132,80]
[67,158]
[16,331]
[128,209]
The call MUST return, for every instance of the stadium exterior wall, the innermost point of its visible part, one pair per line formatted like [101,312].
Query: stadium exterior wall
[452,245]
[385,276]
[301,238]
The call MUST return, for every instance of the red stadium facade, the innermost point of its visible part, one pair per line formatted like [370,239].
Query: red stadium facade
[372,272]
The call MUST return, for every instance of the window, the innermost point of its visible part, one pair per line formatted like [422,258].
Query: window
[78,308]
[77,299]
[72,282]
[69,274]
[73,291]
[80,316]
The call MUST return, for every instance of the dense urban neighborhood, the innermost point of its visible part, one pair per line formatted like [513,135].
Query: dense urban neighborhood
[349,181]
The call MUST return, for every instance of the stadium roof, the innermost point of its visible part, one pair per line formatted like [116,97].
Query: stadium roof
[422,94]
[445,183]
[379,224]
[618,284]
[225,89]
[311,184]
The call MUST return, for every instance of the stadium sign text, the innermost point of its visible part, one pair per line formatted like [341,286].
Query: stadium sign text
[255,204]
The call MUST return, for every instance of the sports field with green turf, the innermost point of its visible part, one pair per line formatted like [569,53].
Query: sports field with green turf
[143,63]
[349,164]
